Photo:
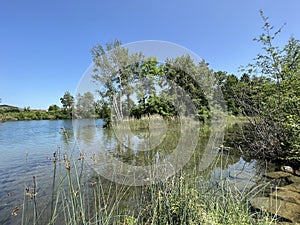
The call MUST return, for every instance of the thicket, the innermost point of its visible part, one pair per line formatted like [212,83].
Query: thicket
[269,95]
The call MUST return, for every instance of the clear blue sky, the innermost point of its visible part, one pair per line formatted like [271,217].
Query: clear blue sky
[45,45]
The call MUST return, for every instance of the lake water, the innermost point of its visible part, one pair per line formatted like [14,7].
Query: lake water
[26,146]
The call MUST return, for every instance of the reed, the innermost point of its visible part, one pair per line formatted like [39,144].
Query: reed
[183,200]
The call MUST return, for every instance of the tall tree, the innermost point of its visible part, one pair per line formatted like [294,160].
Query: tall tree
[67,100]
[231,87]
[193,82]
[113,72]
[85,106]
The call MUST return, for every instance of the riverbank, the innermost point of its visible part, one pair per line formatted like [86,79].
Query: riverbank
[56,115]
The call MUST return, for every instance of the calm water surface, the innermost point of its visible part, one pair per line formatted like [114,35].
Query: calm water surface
[25,147]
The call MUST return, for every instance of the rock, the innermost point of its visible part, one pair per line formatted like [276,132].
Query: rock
[291,187]
[287,169]
[287,195]
[277,175]
[287,210]
[297,172]
[293,179]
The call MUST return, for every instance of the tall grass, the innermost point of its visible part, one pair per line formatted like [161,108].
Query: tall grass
[183,200]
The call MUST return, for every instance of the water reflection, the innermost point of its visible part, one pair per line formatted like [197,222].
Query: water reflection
[26,145]
[241,175]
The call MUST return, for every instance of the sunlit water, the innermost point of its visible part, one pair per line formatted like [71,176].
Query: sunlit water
[26,146]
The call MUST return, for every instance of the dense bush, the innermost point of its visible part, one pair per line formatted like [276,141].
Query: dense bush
[274,101]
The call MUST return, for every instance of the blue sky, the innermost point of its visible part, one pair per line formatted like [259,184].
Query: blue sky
[45,45]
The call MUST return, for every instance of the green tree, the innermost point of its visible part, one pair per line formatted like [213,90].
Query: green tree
[113,65]
[149,72]
[106,115]
[54,112]
[53,108]
[277,99]
[67,100]
[120,74]
[193,81]
[231,87]
[85,106]
[154,105]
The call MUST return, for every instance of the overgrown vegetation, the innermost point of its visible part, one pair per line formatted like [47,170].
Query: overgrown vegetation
[268,94]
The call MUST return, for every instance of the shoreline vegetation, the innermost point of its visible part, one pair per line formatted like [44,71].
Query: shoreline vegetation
[10,113]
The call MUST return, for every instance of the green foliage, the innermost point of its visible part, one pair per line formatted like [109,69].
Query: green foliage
[54,108]
[106,115]
[193,81]
[67,100]
[114,67]
[179,200]
[176,202]
[275,96]
[153,105]
[7,109]
[121,74]
[231,86]
[25,115]
[85,106]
